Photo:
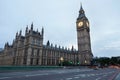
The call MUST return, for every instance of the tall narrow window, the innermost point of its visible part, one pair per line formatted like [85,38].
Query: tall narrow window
[38,53]
[24,61]
[32,52]
[31,61]
[37,61]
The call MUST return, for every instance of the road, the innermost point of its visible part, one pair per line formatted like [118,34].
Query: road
[62,74]
[117,77]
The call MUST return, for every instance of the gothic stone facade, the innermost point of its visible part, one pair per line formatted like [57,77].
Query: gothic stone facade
[29,49]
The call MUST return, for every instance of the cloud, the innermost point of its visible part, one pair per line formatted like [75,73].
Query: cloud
[111,46]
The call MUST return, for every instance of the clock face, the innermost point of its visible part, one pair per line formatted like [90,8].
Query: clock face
[80,24]
[87,24]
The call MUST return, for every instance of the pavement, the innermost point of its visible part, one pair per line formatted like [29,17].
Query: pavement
[62,74]
[117,77]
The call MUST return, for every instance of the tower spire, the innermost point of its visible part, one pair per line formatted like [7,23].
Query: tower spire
[32,26]
[42,31]
[20,33]
[16,34]
[81,9]
[26,29]
[81,12]
[81,6]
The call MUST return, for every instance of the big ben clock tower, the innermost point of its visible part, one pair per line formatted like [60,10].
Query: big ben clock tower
[83,37]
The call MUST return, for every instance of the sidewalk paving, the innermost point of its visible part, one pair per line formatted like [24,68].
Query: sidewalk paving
[117,77]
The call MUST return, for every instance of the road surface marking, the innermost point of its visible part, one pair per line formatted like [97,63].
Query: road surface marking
[76,77]
[36,75]
[5,77]
[61,72]
[92,74]
[88,75]
[68,78]
[105,75]
[83,75]
[101,77]
[98,78]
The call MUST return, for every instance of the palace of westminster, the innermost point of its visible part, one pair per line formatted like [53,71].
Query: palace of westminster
[29,49]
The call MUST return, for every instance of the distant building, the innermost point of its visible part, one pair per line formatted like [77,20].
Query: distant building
[29,49]
[1,49]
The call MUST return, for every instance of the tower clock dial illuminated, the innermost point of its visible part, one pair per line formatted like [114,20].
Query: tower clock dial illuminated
[80,24]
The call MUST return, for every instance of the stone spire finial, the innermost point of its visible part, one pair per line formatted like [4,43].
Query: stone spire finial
[26,29]
[16,34]
[48,43]
[42,30]
[81,9]
[7,44]
[20,33]
[81,6]
[81,13]
[32,26]
[72,48]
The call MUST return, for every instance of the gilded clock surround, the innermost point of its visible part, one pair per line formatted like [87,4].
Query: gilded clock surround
[80,24]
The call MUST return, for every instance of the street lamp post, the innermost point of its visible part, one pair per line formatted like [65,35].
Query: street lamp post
[61,60]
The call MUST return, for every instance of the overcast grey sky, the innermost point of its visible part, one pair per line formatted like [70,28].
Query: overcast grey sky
[58,17]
